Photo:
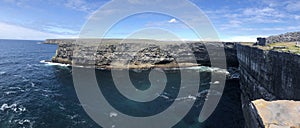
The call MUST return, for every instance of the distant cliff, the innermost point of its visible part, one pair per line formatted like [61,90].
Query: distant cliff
[287,37]
[138,53]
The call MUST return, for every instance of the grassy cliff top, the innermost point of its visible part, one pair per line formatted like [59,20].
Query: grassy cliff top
[289,47]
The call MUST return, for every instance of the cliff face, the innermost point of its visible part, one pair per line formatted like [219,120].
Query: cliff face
[139,53]
[269,75]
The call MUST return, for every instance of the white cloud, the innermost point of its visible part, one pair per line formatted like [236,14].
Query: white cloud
[271,3]
[10,1]
[231,24]
[60,30]
[79,5]
[251,38]
[263,12]
[135,1]
[20,3]
[293,6]
[83,5]
[172,21]
[9,31]
[297,17]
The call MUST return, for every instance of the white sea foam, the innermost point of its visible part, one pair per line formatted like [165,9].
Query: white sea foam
[10,92]
[29,65]
[47,91]
[21,109]
[2,73]
[3,107]
[190,97]
[214,92]
[32,84]
[164,96]
[6,106]
[21,122]
[14,88]
[24,122]
[16,75]
[203,93]
[25,79]
[45,95]
[54,64]
[204,69]
[61,107]
[216,82]
[73,116]
[16,108]
[113,114]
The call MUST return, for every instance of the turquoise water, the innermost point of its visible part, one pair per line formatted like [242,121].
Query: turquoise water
[39,95]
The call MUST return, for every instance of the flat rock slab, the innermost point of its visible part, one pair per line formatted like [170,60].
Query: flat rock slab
[278,114]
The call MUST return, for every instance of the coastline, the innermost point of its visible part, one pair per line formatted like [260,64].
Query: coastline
[259,68]
[122,66]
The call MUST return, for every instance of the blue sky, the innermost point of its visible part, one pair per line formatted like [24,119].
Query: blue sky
[234,20]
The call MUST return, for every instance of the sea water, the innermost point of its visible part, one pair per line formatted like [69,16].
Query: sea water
[38,94]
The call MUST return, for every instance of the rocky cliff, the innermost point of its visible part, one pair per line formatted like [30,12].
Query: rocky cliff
[110,53]
[270,75]
[287,37]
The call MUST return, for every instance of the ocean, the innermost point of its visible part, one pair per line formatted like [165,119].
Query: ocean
[36,94]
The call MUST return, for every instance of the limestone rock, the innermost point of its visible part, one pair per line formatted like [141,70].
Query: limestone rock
[139,53]
[287,37]
[278,114]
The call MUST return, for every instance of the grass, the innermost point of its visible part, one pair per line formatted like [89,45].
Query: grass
[289,47]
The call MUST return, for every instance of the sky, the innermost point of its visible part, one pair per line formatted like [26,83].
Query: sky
[233,20]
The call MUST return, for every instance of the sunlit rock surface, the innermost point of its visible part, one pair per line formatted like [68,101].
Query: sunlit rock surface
[278,114]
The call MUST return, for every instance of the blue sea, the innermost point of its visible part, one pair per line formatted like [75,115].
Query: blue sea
[36,94]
